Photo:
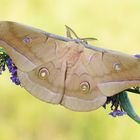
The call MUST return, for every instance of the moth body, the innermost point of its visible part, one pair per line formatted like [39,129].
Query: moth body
[73,53]
[64,72]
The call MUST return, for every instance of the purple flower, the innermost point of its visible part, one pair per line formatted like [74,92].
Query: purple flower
[115,106]
[137,55]
[15,80]
[117,113]
[9,61]
[6,60]
[13,70]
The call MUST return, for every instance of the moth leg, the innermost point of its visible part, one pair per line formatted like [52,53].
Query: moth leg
[88,39]
[127,106]
[103,54]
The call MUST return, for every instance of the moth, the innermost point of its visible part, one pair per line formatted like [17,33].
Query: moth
[68,71]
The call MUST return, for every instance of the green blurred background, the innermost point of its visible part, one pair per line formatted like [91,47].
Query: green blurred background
[115,23]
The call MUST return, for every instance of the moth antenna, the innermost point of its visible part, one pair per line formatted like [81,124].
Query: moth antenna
[69,32]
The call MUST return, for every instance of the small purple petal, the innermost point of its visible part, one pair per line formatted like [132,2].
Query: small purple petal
[113,114]
[9,61]
[13,70]
[13,79]
[5,60]
[17,82]
[117,113]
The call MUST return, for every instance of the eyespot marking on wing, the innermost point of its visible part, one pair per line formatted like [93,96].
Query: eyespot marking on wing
[27,39]
[43,73]
[117,66]
[85,87]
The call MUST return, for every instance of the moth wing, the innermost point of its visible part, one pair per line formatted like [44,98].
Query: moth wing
[85,86]
[81,92]
[45,82]
[27,46]
[106,74]
[64,86]
[113,71]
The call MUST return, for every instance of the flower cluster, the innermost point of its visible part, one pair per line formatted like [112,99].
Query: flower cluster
[5,60]
[117,109]
[13,70]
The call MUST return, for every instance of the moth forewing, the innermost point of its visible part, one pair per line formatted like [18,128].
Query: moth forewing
[28,47]
[124,73]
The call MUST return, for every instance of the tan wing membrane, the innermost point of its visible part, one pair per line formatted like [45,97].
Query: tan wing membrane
[62,71]
[81,92]
[107,74]
[111,88]
[28,47]
[123,73]
[45,82]
[38,90]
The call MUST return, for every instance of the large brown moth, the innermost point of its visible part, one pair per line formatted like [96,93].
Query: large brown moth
[67,71]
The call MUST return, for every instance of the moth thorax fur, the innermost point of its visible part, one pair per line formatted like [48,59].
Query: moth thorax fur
[73,55]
